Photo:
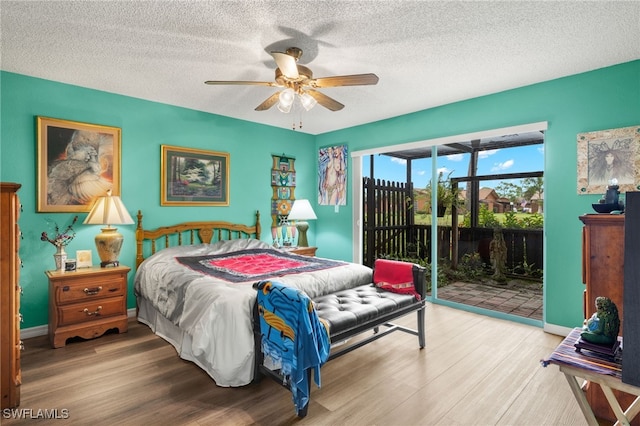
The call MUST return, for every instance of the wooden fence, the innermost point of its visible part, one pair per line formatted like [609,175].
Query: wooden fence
[386,218]
[389,230]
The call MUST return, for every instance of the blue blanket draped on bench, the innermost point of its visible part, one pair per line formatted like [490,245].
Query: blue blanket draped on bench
[292,335]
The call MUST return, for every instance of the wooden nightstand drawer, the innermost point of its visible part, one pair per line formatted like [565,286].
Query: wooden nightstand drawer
[92,310]
[92,289]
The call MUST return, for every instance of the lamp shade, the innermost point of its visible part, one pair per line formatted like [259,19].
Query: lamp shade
[286,97]
[307,101]
[301,210]
[108,210]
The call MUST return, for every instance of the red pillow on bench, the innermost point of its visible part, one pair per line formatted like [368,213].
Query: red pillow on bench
[394,276]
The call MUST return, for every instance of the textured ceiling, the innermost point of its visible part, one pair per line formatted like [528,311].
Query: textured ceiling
[426,53]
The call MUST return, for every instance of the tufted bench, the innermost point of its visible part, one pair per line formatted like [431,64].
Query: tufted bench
[354,311]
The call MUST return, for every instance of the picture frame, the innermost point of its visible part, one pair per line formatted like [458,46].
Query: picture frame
[607,154]
[83,259]
[332,175]
[87,155]
[194,177]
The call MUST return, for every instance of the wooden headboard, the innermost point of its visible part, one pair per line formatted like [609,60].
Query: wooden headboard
[187,233]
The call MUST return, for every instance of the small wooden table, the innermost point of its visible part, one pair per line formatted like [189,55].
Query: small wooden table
[303,251]
[87,302]
[595,369]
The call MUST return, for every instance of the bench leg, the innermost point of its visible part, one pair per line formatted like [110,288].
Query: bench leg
[303,411]
[421,327]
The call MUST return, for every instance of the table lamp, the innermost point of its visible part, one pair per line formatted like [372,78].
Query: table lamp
[108,210]
[301,211]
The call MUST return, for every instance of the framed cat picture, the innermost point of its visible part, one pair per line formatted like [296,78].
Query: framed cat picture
[77,162]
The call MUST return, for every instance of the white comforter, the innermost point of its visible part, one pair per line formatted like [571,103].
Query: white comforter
[216,314]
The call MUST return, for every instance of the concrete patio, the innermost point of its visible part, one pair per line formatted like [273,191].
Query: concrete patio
[524,301]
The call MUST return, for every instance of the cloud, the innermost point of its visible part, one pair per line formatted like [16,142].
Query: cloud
[541,149]
[455,157]
[399,161]
[444,171]
[485,154]
[420,172]
[502,166]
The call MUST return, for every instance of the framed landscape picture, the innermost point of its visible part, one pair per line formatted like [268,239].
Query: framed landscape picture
[77,162]
[194,177]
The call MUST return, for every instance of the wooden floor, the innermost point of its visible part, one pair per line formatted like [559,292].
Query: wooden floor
[475,370]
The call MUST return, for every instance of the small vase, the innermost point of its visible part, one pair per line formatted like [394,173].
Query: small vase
[60,257]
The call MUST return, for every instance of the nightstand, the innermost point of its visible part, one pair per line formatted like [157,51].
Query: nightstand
[303,251]
[86,303]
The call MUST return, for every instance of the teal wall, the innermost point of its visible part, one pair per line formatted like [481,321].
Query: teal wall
[145,127]
[602,99]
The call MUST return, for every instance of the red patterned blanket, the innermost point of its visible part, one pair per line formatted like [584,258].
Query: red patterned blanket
[255,264]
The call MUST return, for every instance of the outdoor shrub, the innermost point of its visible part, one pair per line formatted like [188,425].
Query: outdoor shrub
[534,220]
[471,266]
[487,218]
[511,221]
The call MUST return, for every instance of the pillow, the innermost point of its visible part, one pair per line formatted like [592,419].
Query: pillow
[394,276]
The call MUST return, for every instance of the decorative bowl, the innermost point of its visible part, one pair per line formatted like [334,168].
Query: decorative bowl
[606,207]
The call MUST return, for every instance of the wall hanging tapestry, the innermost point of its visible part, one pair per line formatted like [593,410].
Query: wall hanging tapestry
[283,182]
[332,176]
[609,154]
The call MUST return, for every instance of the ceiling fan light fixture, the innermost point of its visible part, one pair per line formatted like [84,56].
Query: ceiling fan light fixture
[287,96]
[307,101]
[297,80]
[284,108]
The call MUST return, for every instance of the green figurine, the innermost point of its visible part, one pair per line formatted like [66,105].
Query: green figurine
[603,326]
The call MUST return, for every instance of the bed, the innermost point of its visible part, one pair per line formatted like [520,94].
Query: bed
[194,288]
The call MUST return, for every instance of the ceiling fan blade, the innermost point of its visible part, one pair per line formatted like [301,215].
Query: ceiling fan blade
[345,80]
[287,64]
[325,100]
[271,101]
[239,82]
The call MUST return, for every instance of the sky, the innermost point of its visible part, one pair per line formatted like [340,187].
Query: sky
[511,160]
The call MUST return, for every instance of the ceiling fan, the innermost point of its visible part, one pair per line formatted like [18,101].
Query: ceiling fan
[298,80]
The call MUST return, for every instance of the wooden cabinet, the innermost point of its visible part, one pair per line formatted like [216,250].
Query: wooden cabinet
[603,260]
[303,251]
[86,303]
[603,275]
[10,344]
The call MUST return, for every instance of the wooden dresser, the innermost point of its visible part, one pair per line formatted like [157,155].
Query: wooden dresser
[10,344]
[603,275]
[86,303]
[603,260]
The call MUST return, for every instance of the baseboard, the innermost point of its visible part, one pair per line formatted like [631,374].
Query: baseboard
[43,330]
[27,333]
[557,329]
